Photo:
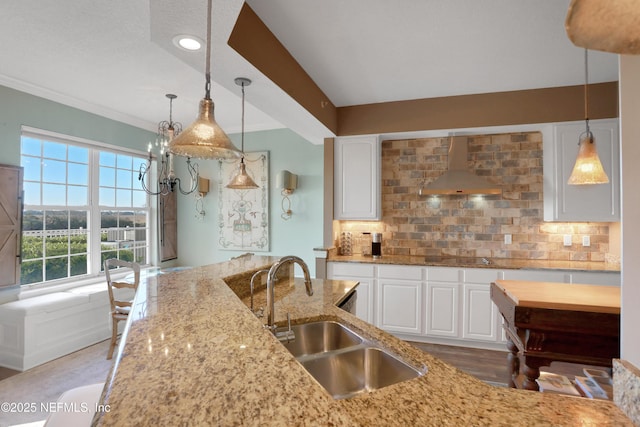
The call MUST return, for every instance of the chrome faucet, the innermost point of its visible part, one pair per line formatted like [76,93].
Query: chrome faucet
[271,282]
[259,312]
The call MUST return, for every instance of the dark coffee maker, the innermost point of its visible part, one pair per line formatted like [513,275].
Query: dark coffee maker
[376,245]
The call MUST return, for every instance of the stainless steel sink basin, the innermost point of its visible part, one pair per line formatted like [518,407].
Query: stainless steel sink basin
[320,337]
[359,370]
[344,363]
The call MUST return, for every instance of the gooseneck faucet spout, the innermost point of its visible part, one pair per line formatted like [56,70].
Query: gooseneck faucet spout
[271,282]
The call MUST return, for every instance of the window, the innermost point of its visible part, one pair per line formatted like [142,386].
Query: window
[83,203]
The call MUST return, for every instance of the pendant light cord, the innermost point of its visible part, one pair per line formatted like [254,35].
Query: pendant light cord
[207,73]
[242,128]
[586,91]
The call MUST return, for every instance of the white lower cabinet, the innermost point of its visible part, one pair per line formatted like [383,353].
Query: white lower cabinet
[445,305]
[400,298]
[363,273]
[480,315]
[442,312]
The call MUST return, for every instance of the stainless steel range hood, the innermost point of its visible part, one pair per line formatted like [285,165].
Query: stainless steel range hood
[458,179]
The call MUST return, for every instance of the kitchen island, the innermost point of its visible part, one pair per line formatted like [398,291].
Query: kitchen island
[194,354]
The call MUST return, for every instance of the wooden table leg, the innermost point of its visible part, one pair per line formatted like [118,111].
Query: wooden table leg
[531,371]
[513,362]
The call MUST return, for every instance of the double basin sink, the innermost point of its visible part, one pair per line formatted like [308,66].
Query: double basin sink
[344,363]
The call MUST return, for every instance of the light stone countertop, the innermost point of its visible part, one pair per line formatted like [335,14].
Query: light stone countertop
[194,354]
[470,262]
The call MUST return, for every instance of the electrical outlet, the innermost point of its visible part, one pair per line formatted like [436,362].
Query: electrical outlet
[567,240]
[586,241]
[507,239]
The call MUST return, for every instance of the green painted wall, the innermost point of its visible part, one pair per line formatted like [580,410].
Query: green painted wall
[18,108]
[198,241]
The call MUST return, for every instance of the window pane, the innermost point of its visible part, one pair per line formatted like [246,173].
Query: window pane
[78,154]
[79,265]
[107,197]
[57,220]
[32,220]
[140,219]
[137,162]
[53,194]
[78,174]
[31,167]
[107,159]
[56,245]
[31,193]
[107,177]
[32,245]
[124,178]
[123,198]
[54,150]
[78,242]
[108,219]
[125,161]
[31,146]
[139,199]
[56,268]
[78,220]
[54,171]
[126,219]
[31,272]
[77,196]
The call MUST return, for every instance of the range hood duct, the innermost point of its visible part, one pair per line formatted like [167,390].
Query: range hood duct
[458,179]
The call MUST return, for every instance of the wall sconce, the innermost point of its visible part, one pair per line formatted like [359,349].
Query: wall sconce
[203,189]
[287,182]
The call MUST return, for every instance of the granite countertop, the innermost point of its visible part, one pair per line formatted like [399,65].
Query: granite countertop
[194,354]
[471,262]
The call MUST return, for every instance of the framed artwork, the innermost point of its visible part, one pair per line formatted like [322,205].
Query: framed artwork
[243,217]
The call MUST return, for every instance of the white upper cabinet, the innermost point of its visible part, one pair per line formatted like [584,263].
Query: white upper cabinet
[357,178]
[564,202]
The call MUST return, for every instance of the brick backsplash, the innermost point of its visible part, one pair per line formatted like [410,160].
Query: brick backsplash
[470,225]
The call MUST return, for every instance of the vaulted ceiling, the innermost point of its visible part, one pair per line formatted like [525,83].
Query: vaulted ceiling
[118,59]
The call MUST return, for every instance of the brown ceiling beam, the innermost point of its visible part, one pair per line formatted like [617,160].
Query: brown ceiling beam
[252,39]
[546,105]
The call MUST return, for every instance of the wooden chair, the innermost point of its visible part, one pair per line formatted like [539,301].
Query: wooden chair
[119,309]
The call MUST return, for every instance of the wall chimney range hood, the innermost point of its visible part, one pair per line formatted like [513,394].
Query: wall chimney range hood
[458,179]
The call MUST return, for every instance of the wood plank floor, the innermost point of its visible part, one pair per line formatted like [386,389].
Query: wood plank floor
[489,365]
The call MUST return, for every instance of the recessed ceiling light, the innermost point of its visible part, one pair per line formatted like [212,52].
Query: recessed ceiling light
[189,43]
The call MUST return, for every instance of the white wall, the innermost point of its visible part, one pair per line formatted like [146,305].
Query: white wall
[630,156]
[198,239]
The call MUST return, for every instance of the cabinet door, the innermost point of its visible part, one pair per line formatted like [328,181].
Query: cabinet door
[399,305]
[363,273]
[357,178]
[479,314]
[442,312]
[564,202]
[10,224]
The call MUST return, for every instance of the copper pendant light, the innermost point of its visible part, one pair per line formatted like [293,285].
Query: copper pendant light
[588,167]
[204,139]
[242,180]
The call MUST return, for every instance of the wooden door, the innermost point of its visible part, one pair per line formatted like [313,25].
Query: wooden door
[168,224]
[10,224]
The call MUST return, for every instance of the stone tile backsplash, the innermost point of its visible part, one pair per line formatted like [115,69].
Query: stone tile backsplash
[469,225]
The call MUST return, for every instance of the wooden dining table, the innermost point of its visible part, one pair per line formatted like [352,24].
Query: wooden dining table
[546,322]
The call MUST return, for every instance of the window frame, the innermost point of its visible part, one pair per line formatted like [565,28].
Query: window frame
[93,208]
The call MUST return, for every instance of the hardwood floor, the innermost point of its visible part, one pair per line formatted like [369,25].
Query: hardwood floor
[491,366]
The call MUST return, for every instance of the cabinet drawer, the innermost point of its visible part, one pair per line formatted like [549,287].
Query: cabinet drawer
[350,269]
[400,272]
[443,274]
[481,275]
